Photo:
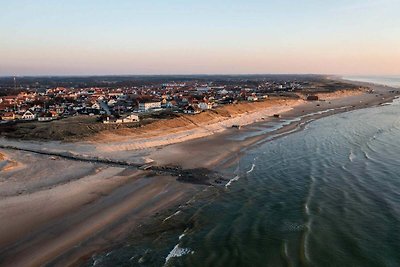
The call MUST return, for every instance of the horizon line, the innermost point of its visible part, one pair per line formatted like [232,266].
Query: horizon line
[192,74]
[175,74]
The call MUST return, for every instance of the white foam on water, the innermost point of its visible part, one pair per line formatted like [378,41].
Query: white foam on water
[252,165]
[181,236]
[309,196]
[178,251]
[307,208]
[307,225]
[305,244]
[169,217]
[286,249]
[352,156]
[97,259]
[252,168]
[366,155]
[237,177]
[232,180]
[306,123]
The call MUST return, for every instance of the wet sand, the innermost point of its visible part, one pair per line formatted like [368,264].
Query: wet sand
[60,211]
[51,218]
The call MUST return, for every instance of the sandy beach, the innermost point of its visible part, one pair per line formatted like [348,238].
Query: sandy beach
[59,211]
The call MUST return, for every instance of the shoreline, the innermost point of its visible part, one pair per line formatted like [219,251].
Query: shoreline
[216,151]
[296,117]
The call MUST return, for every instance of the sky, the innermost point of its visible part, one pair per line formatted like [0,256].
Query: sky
[98,37]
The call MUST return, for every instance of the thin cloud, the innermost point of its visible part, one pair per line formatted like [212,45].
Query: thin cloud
[369,4]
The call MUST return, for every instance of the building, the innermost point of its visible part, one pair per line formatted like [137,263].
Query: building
[112,102]
[203,89]
[8,116]
[44,118]
[252,98]
[205,105]
[49,116]
[28,116]
[96,105]
[191,110]
[129,119]
[146,106]
[223,92]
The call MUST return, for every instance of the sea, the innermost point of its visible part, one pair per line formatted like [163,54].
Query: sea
[393,81]
[328,195]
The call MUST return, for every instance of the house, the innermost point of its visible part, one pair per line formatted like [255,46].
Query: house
[223,92]
[252,98]
[28,116]
[205,105]
[96,105]
[59,110]
[146,106]
[43,117]
[36,108]
[22,108]
[191,110]
[11,99]
[112,102]
[203,89]
[171,104]
[164,101]
[8,116]
[54,113]
[119,109]
[129,119]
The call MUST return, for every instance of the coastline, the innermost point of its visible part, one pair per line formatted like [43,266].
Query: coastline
[222,146]
[213,151]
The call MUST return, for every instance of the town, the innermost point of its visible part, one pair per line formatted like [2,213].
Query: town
[123,101]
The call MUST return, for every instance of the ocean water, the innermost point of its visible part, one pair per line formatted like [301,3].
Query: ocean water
[393,81]
[325,196]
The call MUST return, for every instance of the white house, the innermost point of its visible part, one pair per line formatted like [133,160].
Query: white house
[223,92]
[146,106]
[252,98]
[43,118]
[131,118]
[205,105]
[112,102]
[128,119]
[203,89]
[28,116]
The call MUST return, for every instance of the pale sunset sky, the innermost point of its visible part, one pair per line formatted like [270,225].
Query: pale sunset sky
[96,37]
